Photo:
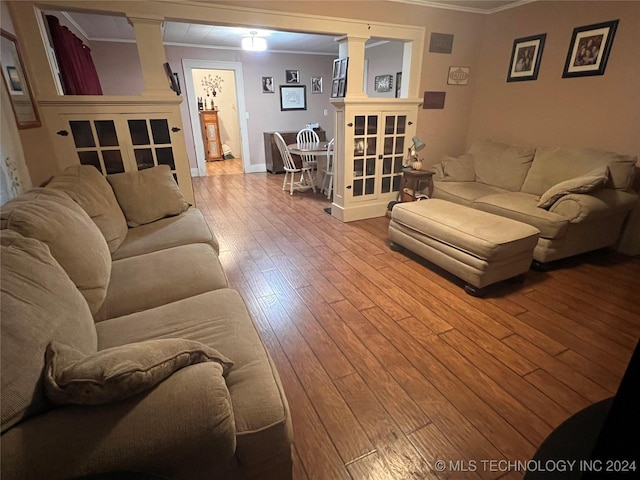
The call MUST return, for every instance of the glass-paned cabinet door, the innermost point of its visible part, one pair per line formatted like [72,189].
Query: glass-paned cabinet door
[378,149]
[365,151]
[96,143]
[393,152]
[151,141]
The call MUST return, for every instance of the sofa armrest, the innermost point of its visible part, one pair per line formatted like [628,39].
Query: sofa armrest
[602,203]
[182,428]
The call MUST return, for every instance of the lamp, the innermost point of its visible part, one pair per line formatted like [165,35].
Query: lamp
[253,43]
[412,159]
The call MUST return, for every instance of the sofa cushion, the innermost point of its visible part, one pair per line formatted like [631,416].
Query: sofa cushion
[554,165]
[582,184]
[463,193]
[148,195]
[74,240]
[116,373]
[89,189]
[221,320]
[501,165]
[188,227]
[523,207]
[458,169]
[39,303]
[147,281]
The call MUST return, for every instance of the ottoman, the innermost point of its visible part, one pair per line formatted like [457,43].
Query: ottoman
[479,247]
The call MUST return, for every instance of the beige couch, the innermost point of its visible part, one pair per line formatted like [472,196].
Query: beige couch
[123,349]
[578,198]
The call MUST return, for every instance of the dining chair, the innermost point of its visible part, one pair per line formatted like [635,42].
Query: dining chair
[308,135]
[290,169]
[327,179]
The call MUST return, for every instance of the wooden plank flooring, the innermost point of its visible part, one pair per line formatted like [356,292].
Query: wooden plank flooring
[388,365]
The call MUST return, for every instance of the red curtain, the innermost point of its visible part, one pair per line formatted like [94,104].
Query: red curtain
[77,71]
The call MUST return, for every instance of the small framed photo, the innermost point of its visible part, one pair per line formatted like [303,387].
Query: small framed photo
[383,83]
[267,85]
[316,84]
[339,80]
[525,58]
[589,49]
[292,76]
[293,97]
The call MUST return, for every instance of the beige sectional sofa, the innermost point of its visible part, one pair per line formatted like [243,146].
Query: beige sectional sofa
[578,198]
[123,349]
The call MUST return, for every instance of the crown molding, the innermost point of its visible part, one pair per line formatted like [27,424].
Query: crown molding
[450,6]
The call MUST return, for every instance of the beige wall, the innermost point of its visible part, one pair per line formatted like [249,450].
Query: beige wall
[597,111]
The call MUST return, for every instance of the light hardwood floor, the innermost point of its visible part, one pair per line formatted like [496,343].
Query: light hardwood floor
[388,365]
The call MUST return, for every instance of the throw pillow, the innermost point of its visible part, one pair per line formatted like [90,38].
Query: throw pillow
[582,184]
[89,189]
[148,195]
[116,373]
[458,169]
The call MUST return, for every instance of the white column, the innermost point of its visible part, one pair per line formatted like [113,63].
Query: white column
[353,47]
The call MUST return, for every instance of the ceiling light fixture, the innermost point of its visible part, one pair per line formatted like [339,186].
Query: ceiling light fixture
[253,43]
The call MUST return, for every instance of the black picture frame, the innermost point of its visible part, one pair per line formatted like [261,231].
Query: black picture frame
[589,49]
[293,97]
[526,56]
[268,85]
[292,76]
[173,80]
[339,80]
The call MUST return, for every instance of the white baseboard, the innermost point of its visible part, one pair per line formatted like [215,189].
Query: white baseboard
[259,167]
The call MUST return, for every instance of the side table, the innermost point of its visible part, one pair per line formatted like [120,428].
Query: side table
[412,182]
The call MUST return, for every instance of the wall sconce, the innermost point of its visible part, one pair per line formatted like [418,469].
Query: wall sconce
[412,159]
[253,43]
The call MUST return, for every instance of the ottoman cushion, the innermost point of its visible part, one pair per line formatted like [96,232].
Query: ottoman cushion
[480,234]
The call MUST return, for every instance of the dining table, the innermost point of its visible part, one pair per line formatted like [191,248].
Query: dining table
[315,149]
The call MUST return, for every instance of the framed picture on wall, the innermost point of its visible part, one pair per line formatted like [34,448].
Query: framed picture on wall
[267,85]
[293,97]
[383,83]
[589,49]
[339,80]
[316,84]
[525,58]
[292,76]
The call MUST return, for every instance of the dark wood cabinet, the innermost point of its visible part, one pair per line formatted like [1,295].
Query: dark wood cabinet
[272,156]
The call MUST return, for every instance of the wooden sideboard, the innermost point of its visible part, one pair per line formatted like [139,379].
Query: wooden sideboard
[272,156]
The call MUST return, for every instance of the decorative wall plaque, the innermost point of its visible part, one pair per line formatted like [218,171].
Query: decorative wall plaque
[434,100]
[458,76]
[441,43]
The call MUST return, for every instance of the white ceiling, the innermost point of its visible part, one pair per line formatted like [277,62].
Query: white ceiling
[97,27]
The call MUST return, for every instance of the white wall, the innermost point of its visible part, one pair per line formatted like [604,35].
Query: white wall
[120,74]
[383,59]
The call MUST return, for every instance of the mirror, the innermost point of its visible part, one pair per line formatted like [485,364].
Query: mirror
[15,81]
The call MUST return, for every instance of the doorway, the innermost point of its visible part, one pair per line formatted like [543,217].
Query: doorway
[232,110]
